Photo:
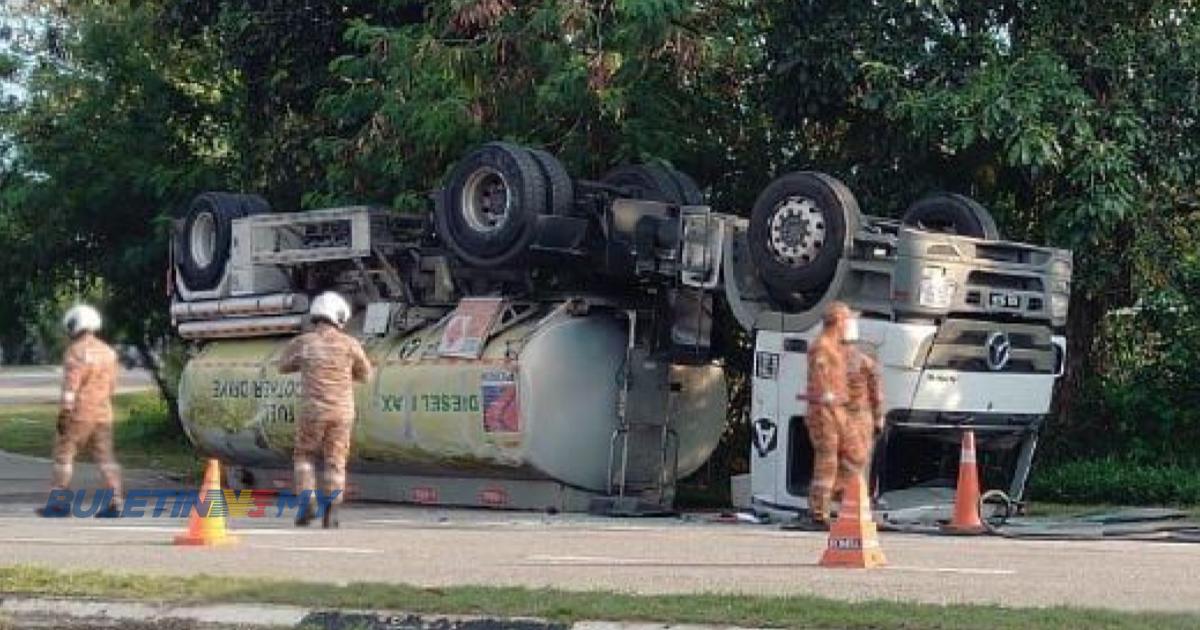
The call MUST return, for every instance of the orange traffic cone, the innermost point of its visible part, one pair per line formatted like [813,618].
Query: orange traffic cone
[208,529]
[966,497]
[853,539]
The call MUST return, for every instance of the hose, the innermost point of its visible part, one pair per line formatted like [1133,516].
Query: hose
[995,526]
[992,523]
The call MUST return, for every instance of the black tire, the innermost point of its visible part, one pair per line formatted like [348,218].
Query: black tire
[952,213]
[203,244]
[689,190]
[469,220]
[560,191]
[646,181]
[798,231]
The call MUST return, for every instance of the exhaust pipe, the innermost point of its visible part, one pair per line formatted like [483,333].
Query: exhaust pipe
[242,327]
[275,304]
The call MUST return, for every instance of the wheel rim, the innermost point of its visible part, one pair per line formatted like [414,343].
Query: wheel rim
[203,245]
[797,231]
[486,200]
[941,225]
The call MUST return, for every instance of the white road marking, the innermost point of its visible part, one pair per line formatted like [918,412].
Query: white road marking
[962,571]
[350,550]
[417,521]
[179,530]
[467,524]
[603,560]
[593,560]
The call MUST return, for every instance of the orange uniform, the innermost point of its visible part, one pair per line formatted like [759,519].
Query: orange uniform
[86,413]
[840,449]
[864,412]
[865,389]
[329,361]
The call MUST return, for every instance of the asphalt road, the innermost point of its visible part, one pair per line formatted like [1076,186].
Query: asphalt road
[41,384]
[439,547]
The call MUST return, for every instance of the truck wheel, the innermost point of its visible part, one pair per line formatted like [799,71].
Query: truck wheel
[560,191]
[491,203]
[798,230]
[952,214]
[653,182]
[688,188]
[204,243]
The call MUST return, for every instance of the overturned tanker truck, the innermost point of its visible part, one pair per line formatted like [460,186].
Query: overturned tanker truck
[540,341]
[543,342]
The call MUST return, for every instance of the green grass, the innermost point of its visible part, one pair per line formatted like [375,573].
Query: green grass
[1116,482]
[567,606]
[1068,510]
[142,434]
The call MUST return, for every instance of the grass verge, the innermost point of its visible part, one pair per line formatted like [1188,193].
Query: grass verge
[568,606]
[1070,510]
[142,434]
[1113,481]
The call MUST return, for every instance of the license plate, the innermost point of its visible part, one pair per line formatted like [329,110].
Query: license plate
[1004,300]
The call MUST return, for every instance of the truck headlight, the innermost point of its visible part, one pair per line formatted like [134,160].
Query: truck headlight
[937,289]
[1058,305]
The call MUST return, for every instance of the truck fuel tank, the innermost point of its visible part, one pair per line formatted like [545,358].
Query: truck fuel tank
[541,401]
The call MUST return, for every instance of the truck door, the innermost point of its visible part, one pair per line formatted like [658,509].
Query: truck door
[796,454]
[765,433]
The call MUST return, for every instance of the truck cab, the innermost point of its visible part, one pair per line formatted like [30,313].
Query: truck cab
[967,328]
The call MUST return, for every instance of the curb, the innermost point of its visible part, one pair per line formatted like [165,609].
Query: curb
[232,614]
[250,615]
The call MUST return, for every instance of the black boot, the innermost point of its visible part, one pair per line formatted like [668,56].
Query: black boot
[54,511]
[330,520]
[112,511]
[305,515]
[806,523]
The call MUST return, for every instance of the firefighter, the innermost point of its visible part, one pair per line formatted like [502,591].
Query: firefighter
[329,361]
[838,452]
[85,414]
[864,406]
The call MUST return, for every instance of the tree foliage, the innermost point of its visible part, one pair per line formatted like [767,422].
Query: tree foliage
[597,82]
[108,150]
[1074,121]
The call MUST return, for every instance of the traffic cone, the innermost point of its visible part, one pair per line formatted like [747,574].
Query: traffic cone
[853,539]
[208,529]
[966,497]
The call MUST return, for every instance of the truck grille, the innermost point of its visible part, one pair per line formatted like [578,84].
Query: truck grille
[965,345]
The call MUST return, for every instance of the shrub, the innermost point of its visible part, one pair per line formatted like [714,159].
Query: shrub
[1115,481]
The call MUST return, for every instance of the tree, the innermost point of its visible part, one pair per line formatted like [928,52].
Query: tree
[596,82]
[109,148]
[279,51]
[1073,121]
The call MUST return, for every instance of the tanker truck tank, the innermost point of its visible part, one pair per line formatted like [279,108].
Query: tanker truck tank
[557,410]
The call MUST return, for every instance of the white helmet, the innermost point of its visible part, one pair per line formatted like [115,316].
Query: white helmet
[332,307]
[81,318]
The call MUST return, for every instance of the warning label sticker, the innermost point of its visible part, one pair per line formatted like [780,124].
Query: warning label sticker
[501,411]
[468,327]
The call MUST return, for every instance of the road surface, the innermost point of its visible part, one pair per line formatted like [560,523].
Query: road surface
[41,384]
[440,547]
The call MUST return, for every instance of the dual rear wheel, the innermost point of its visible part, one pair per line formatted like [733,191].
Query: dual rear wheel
[202,247]
[490,207]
